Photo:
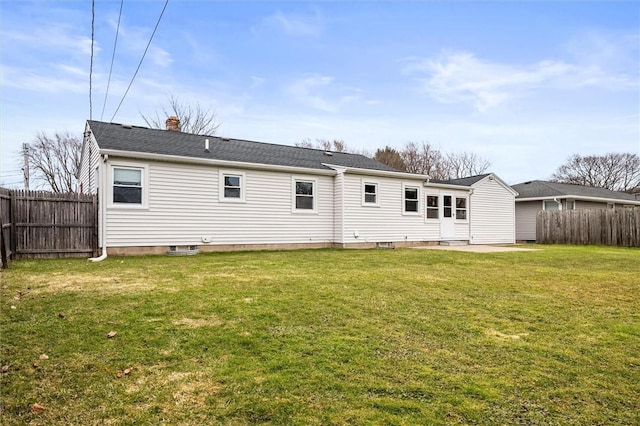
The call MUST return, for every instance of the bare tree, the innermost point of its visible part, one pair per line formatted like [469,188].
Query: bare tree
[424,159]
[335,145]
[464,164]
[391,157]
[55,160]
[614,171]
[193,118]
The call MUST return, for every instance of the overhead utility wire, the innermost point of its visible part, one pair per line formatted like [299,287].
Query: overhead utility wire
[113,56]
[141,59]
[93,18]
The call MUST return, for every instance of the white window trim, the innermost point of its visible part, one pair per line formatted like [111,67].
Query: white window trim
[377,185]
[404,211]
[243,186]
[455,208]
[144,183]
[295,179]
[427,208]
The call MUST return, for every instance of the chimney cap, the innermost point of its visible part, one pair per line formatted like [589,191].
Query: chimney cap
[173,123]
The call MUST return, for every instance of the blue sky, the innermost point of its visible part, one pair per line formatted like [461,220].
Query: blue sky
[522,84]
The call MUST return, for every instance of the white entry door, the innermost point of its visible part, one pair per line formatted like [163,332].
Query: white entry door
[447,224]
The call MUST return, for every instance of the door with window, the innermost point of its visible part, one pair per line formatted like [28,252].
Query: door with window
[447,223]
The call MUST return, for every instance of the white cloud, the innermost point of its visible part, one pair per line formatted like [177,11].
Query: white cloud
[60,37]
[461,77]
[66,80]
[320,92]
[304,90]
[295,25]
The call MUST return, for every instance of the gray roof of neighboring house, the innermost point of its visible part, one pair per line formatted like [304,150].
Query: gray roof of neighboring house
[113,136]
[465,181]
[542,189]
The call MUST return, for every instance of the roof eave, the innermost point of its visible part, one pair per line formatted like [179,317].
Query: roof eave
[215,162]
[374,172]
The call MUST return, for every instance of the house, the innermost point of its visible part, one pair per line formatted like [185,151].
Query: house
[163,190]
[542,195]
[492,218]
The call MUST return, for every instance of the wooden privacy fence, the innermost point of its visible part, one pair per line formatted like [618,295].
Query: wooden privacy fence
[612,227]
[39,224]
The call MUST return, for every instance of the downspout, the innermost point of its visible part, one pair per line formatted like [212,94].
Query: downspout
[469,207]
[102,190]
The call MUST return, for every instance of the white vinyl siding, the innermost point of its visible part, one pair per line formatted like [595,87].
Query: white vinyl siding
[183,209]
[389,223]
[88,179]
[491,212]
[526,212]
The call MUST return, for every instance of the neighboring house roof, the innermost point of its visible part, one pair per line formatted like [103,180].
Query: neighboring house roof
[118,137]
[539,189]
[465,181]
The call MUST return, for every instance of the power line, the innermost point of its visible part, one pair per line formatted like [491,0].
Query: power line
[141,59]
[93,18]
[113,56]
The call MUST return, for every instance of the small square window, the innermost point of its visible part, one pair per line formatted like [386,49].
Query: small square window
[232,186]
[127,185]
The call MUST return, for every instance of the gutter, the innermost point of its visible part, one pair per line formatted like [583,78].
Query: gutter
[582,198]
[214,162]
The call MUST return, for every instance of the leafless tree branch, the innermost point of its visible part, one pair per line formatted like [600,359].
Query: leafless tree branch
[54,161]
[193,118]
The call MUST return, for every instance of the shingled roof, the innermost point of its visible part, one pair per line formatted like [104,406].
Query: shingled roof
[113,136]
[465,181]
[544,189]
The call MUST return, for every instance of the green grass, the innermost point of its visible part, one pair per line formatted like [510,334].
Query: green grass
[325,337]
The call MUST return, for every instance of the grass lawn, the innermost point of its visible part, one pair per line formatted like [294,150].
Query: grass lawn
[316,337]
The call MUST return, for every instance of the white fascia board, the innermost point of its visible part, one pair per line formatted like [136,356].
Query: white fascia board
[214,162]
[581,198]
[372,172]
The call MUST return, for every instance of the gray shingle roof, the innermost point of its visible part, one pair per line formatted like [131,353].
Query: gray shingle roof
[465,181]
[540,188]
[115,136]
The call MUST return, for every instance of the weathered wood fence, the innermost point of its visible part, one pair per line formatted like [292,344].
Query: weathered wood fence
[39,224]
[613,227]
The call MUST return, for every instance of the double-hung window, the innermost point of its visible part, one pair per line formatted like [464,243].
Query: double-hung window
[304,195]
[411,195]
[370,194]
[127,185]
[232,186]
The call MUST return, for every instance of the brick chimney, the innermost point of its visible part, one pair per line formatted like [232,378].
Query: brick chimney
[173,123]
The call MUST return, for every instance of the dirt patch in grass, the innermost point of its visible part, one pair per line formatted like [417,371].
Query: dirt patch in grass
[500,335]
[199,322]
